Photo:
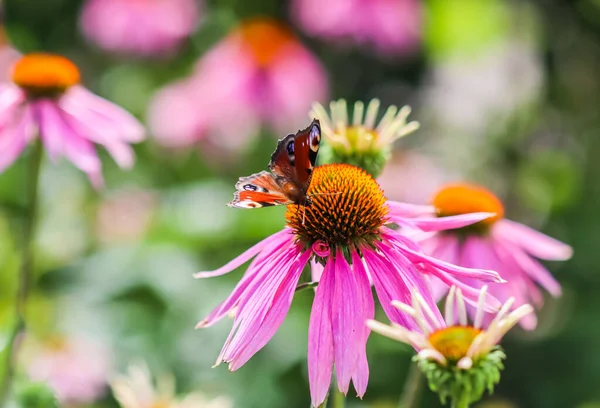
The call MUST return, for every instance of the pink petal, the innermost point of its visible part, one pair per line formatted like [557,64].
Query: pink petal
[537,244]
[533,268]
[254,304]
[320,337]
[389,286]
[347,328]
[280,306]
[55,129]
[448,223]
[479,274]
[361,373]
[404,210]
[414,279]
[15,136]
[282,237]
[116,120]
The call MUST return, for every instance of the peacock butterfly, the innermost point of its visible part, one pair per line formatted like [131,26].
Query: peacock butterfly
[291,169]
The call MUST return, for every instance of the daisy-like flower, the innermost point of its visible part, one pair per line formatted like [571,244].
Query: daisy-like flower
[391,27]
[139,27]
[260,74]
[362,141]
[45,100]
[454,345]
[344,233]
[137,390]
[495,243]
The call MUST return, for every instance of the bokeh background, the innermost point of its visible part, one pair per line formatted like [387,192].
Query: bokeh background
[507,93]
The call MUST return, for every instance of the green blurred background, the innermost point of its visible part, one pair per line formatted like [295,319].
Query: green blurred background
[507,93]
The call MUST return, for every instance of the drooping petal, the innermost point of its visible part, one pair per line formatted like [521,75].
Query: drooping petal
[55,126]
[52,138]
[116,120]
[405,210]
[534,242]
[280,306]
[247,255]
[320,338]
[14,137]
[347,329]
[389,286]
[448,223]
[255,302]
[533,268]
[360,378]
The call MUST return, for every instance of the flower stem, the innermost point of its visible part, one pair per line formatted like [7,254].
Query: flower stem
[338,399]
[25,272]
[412,388]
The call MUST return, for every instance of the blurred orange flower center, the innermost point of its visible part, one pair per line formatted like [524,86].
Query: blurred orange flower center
[459,199]
[265,38]
[45,73]
[347,206]
[453,342]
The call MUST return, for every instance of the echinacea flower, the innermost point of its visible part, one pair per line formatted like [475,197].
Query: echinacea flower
[75,368]
[46,101]
[139,27]
[344,233]
[260,74]
[390,27]
[361,141]
[137,390]
[506,246]
[453,345]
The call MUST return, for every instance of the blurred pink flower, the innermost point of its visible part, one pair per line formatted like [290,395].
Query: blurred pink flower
[139,27]
[390,26]
[45,100]
[125,215]
[344,231]
[260,74]
[421,177]
[496,243]
[77,369]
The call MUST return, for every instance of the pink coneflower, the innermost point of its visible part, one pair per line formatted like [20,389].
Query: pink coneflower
[45,100]
[139,27]
[76,368]
[495,243]
[390,26]
[345,231]
[260,74]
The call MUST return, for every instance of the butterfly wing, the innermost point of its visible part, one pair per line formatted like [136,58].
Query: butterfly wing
[296,155]
[258,190]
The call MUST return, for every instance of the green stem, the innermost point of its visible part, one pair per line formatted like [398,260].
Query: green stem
[338,399]
[25,273]
[412,388]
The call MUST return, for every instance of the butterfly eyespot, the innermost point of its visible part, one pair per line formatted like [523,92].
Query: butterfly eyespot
[290,148]
[315,134]
[250,187]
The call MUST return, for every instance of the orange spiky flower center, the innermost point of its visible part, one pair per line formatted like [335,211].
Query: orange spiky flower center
[348,207]
[462,198]
[265,38]
[45,74]
[453,342]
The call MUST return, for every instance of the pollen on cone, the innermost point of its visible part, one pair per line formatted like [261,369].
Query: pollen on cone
[45,72]
[347,206]
[462,198]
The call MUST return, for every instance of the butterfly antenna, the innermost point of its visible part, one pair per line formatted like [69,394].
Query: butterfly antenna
[316,194]
[303,214]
